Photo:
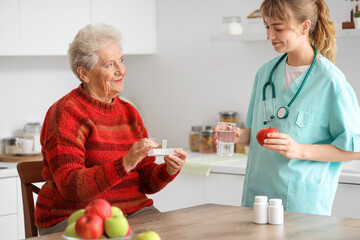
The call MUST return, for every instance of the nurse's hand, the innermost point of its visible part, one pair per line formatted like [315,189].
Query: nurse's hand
[175,162]
[282,143]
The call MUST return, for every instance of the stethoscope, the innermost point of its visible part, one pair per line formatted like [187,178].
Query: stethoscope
[283,112]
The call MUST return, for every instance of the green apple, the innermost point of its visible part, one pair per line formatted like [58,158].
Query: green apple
[70,231]
[116,226]
[103,237]
[115,211]
[76,215]
[149,235]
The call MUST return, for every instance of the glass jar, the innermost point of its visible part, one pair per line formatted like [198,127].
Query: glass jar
[231,26]
[228,116]
[207,142]
[33,130]
[10,146]
[194,137]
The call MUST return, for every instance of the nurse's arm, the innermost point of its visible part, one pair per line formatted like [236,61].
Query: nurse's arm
[285,145]
[243,136]
[327,153]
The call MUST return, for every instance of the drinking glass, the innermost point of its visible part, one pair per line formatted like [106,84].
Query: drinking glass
[226,134]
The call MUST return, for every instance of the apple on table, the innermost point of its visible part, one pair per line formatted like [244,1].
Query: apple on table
[89,226]
[148,235]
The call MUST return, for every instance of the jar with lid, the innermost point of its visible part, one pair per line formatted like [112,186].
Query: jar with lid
[207,142]
[194,137]
[231,26]
[228,116]
[10,146]
[33,130]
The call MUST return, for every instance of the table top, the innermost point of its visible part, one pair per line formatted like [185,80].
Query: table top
[212,221]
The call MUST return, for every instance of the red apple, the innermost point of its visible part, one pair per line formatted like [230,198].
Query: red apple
[89,226]
[99,207]
[128,232]
[262,134]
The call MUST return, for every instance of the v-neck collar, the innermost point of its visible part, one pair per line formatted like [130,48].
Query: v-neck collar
[284,97]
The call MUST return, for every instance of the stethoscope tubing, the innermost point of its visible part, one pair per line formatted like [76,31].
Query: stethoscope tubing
[271,83]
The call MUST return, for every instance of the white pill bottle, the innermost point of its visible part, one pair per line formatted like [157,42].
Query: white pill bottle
[276,211]
[261,210]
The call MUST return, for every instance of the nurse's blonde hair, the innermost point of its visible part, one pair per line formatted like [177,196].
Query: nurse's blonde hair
[322,32]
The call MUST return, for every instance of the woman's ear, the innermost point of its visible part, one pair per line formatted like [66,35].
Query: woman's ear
[306,26]
[83,74]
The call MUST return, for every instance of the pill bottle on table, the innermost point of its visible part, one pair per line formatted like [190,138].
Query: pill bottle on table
[261,210]
[276,211]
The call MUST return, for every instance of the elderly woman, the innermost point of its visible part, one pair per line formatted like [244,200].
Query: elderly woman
[95,145]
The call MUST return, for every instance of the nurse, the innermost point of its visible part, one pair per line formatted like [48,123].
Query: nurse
[311,104]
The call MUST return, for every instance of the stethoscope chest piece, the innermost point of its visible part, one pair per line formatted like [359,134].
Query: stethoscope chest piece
[282,112]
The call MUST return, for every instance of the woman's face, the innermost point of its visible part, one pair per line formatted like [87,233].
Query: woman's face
[106,79]
[283,37]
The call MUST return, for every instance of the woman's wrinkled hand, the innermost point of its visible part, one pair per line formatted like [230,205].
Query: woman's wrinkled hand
[282,143]
[138,152]
[175,162]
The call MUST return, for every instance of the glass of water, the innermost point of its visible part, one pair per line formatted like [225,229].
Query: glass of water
[226,134]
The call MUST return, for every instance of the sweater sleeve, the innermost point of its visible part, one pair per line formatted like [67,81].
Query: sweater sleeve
[153,177]
[63,138]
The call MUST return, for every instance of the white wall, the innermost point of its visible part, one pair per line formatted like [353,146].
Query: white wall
[186,83]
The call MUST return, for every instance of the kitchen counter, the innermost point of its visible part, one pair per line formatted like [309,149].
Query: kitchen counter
[350,173]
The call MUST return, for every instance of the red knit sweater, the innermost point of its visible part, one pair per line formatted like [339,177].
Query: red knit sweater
[83,143]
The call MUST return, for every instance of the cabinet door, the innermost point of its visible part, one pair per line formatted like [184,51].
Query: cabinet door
[134,18]
[346,202]
[8,227]
[224,189]
[8,204]
[9,28]
[48,26]
[184,191]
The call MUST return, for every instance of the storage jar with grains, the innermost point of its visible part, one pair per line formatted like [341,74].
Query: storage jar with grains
[228,116]
[207,142]
[10,147]
[194,137]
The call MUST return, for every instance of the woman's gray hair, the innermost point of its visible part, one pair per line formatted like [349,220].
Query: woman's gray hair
[89,40]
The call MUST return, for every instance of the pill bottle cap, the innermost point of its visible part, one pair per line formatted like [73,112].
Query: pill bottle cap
[261,199]
[275,202]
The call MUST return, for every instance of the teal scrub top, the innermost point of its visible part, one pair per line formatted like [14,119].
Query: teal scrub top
[325,112]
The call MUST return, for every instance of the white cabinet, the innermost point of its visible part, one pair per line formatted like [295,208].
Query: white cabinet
[9,209]
[48,26]
[134,18]
[346,202]
[190,190]
[9,27]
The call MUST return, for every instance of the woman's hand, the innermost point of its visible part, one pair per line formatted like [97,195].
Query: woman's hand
[138,152]
[175,162]
[282,143]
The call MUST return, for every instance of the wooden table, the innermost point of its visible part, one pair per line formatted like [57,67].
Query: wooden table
[211,221]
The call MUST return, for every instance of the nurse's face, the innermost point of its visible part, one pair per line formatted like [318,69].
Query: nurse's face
[106,79]
[284,37]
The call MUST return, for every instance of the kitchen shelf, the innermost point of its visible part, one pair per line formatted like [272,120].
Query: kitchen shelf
[348,33]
